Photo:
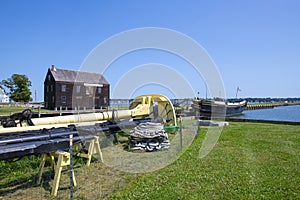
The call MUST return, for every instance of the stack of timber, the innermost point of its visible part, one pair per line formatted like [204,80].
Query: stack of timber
[148,137]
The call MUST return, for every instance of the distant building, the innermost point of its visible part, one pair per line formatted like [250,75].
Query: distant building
[3,97]
[71,89]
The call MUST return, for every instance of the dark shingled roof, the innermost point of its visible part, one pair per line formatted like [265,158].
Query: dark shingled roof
[64,75]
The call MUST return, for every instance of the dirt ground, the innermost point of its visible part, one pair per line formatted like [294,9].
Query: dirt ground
[94,182]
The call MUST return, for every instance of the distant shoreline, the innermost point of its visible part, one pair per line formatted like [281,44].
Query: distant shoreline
[270,105]
[231,119]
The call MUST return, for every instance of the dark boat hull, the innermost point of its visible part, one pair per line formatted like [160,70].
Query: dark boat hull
[211,108]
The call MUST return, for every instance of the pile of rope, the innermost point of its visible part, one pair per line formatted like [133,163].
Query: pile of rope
[149,137]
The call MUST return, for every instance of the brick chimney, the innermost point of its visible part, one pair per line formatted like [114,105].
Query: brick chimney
[53,68]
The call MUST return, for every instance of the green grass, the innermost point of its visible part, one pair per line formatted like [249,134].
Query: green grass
[16,170]
[250,161]
[10,110]
[6,110]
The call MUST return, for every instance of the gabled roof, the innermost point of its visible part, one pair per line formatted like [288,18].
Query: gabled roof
[64,75]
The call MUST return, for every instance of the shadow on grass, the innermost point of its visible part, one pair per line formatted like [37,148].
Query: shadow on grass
[27,183]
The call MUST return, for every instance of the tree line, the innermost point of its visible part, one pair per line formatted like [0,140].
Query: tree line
[271,100]
[17,88]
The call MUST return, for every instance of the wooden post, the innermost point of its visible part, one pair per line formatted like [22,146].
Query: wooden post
[39,111]
[180,132]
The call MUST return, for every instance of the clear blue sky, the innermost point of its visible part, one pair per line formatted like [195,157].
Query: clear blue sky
[255,44]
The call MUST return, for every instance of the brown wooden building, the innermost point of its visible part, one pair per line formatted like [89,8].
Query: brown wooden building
[71,89]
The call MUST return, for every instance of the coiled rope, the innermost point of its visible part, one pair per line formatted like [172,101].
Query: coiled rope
[148,136]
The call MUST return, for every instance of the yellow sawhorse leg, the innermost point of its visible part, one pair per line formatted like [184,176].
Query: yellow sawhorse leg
[94,148]
[42,164]
[63,160]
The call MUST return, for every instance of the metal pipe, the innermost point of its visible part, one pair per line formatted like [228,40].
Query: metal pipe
[71,119]
[142,106]
[64,121]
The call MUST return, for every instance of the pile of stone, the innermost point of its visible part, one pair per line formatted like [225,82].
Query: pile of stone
[148,137]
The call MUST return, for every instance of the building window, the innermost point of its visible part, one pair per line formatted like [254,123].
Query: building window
[52,99]
[104,100]
[47,88]
[49,77]
[78,88]
[99,89]
[63,88]
[88,90]
[51,88]
[63,99]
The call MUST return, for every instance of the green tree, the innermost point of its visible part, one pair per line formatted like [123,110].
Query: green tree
[18,86]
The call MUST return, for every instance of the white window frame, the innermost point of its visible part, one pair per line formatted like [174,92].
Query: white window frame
[99,90]
[87,90]
[63,87]
[77,88]
[63,100]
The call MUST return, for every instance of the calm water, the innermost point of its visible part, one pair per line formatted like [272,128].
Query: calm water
[282,113]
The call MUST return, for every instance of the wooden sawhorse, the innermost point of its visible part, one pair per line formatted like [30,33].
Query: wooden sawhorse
[64,160]
[94,148]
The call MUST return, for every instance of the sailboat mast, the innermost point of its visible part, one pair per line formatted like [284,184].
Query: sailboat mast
[237,90]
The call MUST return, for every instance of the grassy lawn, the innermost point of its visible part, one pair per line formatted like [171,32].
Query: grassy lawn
[6,110]
[250,161]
